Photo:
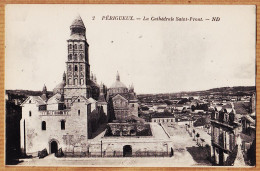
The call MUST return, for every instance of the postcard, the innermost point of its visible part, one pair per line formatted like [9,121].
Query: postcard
[130,85]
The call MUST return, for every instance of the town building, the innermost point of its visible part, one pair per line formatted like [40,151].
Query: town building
[224,137]
[122,101]
[162,118]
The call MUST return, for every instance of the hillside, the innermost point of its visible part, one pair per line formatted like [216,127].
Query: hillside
[222,91]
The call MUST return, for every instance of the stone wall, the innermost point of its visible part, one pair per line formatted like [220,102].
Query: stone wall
[74,135]
[133,109]
[110,146]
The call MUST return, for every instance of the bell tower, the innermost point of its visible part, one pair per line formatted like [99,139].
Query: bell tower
[78,68]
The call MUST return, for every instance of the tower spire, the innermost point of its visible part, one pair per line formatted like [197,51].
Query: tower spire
[91,76]
[117,76]
[64,77]
[44,89]
[95,78]
[101,97]
[44,95]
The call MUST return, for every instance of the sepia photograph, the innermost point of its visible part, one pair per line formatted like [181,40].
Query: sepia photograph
[130,85]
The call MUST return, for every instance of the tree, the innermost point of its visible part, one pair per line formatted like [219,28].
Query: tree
[193,108]
[168,102]
[183,101]
[144,108]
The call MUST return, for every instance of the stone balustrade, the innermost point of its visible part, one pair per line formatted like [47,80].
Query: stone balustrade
[55,112]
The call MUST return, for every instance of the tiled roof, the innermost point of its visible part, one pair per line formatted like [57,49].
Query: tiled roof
[38,100]
[248,118]
[82,97]
[241,107]
[54,99]
[162,115]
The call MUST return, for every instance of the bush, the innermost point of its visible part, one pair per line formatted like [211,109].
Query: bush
[43,153]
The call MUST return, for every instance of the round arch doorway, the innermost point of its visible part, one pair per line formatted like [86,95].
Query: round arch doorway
[53,146]
[127,151]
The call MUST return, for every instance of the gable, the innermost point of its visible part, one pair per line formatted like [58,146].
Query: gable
[79,99]
[34,100]
[119,97]
[54,99]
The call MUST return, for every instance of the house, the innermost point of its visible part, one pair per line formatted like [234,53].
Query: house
[224,136]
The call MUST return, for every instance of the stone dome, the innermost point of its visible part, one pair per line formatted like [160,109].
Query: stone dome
[59,88]
[118,84]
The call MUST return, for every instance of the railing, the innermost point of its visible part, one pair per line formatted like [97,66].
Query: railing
[118,154]
[55,112]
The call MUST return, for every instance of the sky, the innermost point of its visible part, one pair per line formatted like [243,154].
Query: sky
[154,56]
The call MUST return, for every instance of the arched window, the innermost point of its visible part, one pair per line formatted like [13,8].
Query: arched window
[62,125]
[76,67]
[70,82]
[81,57]
[70,46]
[30,113]
[70,56]
[75,57]
[43,125]
[80,68]
[75,46]
[81,81]
[30,101]
[79,112]
[75,81]
[80,46]
[69,68]
[78,100]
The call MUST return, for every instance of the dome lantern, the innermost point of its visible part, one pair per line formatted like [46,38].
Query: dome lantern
[117,76]
[77,26]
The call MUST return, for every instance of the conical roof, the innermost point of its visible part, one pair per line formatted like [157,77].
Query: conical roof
[101,98]
[77,23]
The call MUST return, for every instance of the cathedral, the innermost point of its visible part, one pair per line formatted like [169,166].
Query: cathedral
[122,101]
[79,105]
